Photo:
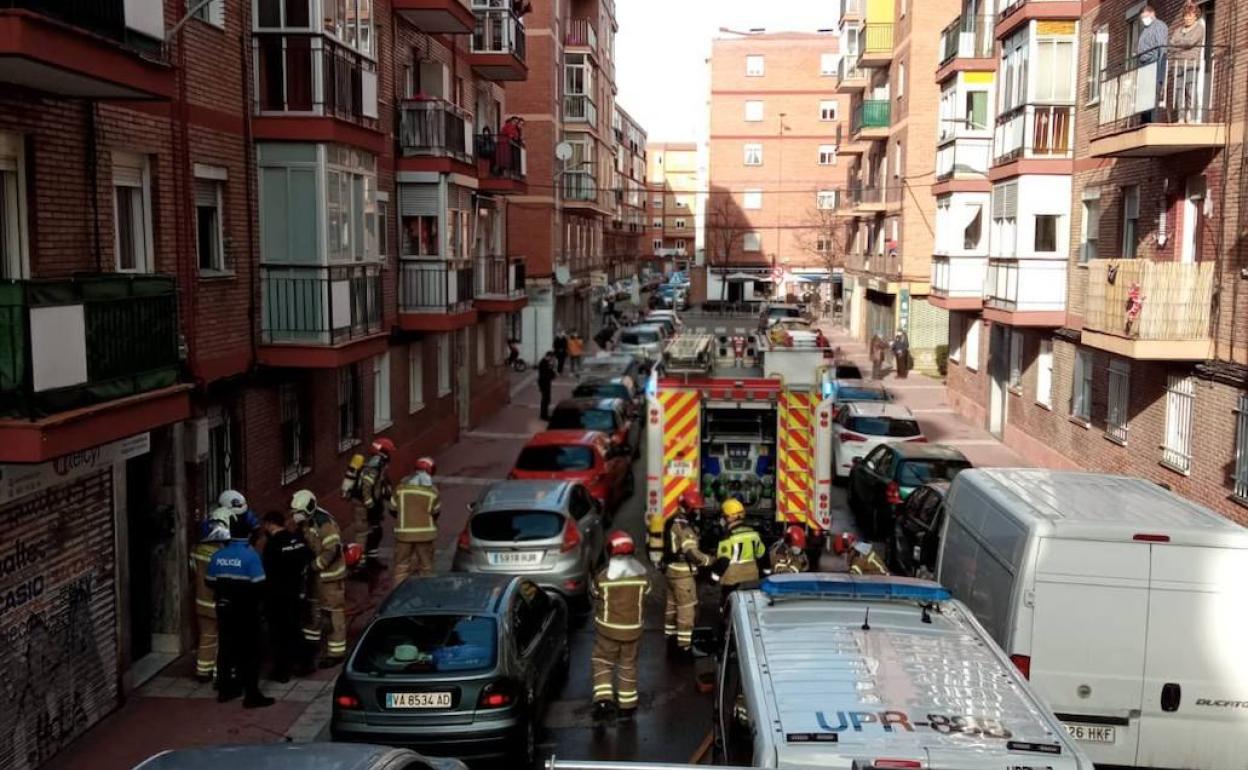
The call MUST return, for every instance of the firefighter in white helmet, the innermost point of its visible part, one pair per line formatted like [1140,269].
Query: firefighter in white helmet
[327,593]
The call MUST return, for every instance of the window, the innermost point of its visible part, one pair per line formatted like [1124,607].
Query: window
[825,199]
[132,202]
[753,155]
[1016,360]
[1046,233]
[827,155]
[1090,228]
[751,242]
[973,233]
[1097,58]
[481,345]
[823,244]
[956,336]
[977,110]
[348,406]
[680,244]
[753,111]
[1130,221]
[657,202]
[1119,397]
[218,470]
[208,229]
[1055,67]
[383,224]
[901,79]
[656,223]
[680,224]
[897,160]
[1081,386]
[1044,373]
[829,109]
[350,203]
[754,66]
[1005,218]
[415,377]
[752,199]
[13,232]
[972,345]
[657,244]
[1176,453]
[213,12]
[444,364]
[828,63]
[296,452]
[1134,28]
[381,392]
[1241,448]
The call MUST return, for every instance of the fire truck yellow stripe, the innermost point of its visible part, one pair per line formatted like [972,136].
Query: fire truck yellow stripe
[794,469]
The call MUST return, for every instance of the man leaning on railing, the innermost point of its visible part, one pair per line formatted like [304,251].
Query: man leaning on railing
[1151,48]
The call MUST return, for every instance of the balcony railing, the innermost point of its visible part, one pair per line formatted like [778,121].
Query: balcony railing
[1180,86]
[66,344]
[1035,131]
[500,277]
[870,113]
[959,277]
[1026,285]
[434,128]
[579,108]
[876,195]
[877,39]
[580,186]
[506,156]
[849,69]
[887,264]
[498,31]
[963,157]
[968,37]
[581,33]
[435,286]
[311,74]
[320,305]
[1151,301]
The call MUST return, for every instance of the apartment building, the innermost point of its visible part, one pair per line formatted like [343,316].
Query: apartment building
[676,185]
[775,166]
[891,49]
[627,182]
[1138,365]
[238,244]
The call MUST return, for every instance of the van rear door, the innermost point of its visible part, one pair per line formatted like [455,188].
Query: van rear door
[1195,707]
[1089,629]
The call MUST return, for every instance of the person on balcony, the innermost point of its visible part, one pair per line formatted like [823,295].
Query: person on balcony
[1187,52]
[1151,49]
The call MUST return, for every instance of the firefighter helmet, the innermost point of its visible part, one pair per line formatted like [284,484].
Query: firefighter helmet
[426,465]
[353,555]
[233,500]
[303,504]
[384,447]
[843,542]
[733,509]
[795,537]
[221,515]
[620,543]
[690,501]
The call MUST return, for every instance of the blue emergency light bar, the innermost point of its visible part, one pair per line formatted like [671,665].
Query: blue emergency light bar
[843,586]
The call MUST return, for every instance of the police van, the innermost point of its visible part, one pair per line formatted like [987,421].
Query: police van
[858,672]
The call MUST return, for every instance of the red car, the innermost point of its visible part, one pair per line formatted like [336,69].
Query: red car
[586,456]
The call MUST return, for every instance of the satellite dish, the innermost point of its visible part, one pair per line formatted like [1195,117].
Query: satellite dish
[563,151]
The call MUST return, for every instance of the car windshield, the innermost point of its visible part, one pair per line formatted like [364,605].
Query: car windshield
[783,312]
[516,526]
[600,390]
[610,366]
[423,644]
[589,419]
[848,372]
[852,393]
[555,458]
[884,426]
[915,472]
[639,338]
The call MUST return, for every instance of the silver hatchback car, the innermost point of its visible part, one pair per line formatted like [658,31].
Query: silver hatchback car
[551,532]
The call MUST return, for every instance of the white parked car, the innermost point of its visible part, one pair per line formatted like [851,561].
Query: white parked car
[861,426]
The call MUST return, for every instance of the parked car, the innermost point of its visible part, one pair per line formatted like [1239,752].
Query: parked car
[644,342]
[579,455]
[845,370]
[613,387]
[608,415]
[844,391]
[656,315]
[774,311]
[670,329]
[548,531]
[861,426]
[914,544]
[611,365]
[297,756]
[458,665]
[885,477]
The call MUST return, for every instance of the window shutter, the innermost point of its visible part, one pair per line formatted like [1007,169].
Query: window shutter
[205,192]
[417,200]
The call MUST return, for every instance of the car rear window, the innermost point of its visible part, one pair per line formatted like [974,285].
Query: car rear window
[600,391]
[589,419]
[443,643]
[783,312]
[884,426]
[915,472]
[860,394]
[516,526]
[639,338]
[555,458]
[848,372]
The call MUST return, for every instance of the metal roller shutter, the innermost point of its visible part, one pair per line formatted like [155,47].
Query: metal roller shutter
[419,200]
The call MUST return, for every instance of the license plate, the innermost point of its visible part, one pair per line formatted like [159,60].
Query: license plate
[418,700]
[514,558]
[1091,733]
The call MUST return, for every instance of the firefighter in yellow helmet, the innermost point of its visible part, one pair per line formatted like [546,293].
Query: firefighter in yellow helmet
[215,535]
[416,529]
[680,562]
[620,590]
[329,569]
[741,556]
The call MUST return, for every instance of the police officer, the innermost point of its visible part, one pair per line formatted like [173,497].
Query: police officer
[416,531]
[236,577]
[372,499]
[619,589]
[216,534]
[287,558]
[681,561]
[329,570]
[740,556]
[788,556]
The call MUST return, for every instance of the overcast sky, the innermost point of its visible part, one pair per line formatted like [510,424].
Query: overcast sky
[663,46]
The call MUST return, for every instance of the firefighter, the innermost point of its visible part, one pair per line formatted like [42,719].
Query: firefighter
[740,556]
[216,535]
[236,578]
[416,531]
[863,559]
[286,558]
[234,502]
[329,570]
[681,562]
[370,499]
[789,555]
[619,590]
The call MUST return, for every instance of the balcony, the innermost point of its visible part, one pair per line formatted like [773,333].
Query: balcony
[435,294]
[434,128]
[874,200]
[1013,14]
[86,361]
[497,50]
[964,158]
[1162,108]
[85,49]
[502,164]
[886,268]
[851,11]
[877,45]
[1026,292]
[970,38]
[958,282]
[1035,132]
[850,75]
[500,284]
[580,33]
[870,119]
[318,316]
[1152,311]
[580,187]
[579,108]
[439,17]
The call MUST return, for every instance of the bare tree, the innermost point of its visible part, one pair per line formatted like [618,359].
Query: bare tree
[725,233]
[828,236]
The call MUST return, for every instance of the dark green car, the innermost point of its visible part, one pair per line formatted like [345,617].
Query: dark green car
[881,481]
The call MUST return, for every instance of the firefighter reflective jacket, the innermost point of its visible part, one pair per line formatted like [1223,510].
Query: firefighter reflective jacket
[785,562]
[738,556]
[620,590]
[864,560]
[680,554]
[201,555]
[325,540]
[375,490]
[418,508]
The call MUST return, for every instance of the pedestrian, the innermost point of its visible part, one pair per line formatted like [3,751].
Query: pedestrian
[681,561]
[546,376]
[329,569]
[236,577]
[619,591]
[740,557]
[287,559]
[372,497]
[877,356]
[1187,50]
[788,556]
[1151,49]
[604,308]
[576,349]
[901,355]
[416,531]
[561,349]
[216,534]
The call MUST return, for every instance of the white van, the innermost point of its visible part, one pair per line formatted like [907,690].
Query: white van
[1126,604]
[852,672]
